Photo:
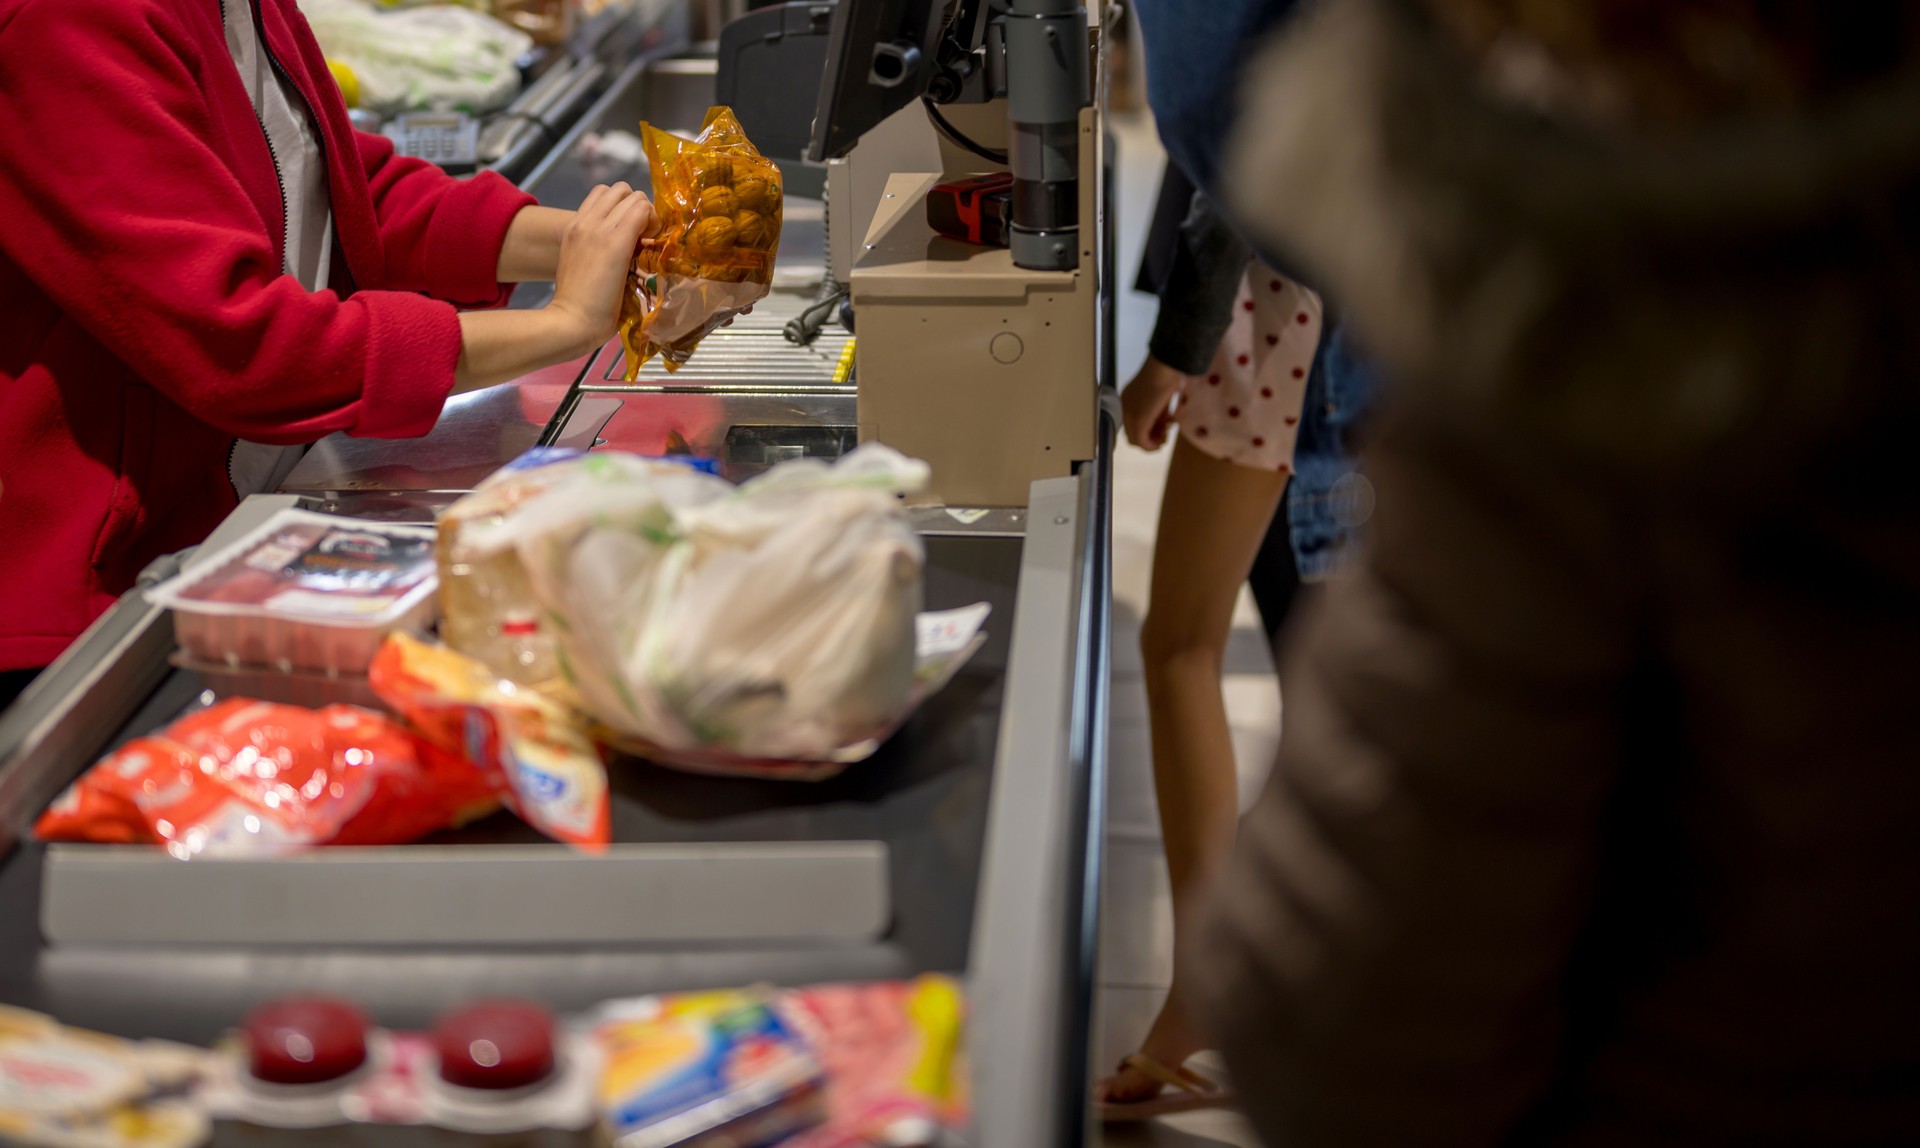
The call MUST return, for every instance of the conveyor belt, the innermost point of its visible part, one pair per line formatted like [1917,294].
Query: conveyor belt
[925,795]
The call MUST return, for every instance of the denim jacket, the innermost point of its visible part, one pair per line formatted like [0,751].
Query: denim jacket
[1329,500]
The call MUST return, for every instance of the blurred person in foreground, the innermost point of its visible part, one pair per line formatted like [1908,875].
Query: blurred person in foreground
[1597,815]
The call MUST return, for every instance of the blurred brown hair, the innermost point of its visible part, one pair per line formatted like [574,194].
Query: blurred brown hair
[1681,58]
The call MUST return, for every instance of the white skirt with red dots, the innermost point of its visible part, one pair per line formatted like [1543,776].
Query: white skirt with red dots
[1246,409]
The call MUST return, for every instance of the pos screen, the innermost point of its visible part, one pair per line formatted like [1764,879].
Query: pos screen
[880,58]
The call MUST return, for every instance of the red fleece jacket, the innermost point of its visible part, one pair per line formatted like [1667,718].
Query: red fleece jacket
[145,322]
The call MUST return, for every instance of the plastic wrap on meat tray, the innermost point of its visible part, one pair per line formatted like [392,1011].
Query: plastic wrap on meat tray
[731,629]
[719,204]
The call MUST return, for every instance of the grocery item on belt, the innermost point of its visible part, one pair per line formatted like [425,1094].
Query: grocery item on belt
[893,1057]
[247,778]
[305,590]
[552,775]
[488,1067]
[704,1070]
[944,641]
[65,1087]
[719,205]
[710,626]
[489,610]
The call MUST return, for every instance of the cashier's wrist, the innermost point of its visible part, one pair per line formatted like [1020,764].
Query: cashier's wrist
[579,332]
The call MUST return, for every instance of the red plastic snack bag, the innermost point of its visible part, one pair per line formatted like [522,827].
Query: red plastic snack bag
[252,778]
[551,772]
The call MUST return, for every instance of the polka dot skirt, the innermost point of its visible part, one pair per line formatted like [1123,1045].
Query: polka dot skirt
[1246,409]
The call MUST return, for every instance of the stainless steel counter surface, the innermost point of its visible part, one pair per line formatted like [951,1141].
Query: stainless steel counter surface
[477,432]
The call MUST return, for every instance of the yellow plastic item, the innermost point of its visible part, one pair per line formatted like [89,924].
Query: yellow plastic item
[939,1010]
[719,202]
[349,83]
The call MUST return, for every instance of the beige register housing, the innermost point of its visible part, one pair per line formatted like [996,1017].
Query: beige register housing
[987,370]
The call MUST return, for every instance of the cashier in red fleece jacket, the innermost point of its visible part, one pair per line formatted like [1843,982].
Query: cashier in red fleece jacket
[201,261]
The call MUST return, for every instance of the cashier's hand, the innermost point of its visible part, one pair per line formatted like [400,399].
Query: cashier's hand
[1147,404]
[595,253]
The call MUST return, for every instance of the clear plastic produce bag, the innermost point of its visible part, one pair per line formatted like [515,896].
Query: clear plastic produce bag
[729,629]
[437,57]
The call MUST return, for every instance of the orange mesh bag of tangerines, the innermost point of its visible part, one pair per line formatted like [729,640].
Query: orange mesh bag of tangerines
[718,200]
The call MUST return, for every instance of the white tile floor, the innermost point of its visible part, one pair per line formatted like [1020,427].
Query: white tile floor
[1136,939]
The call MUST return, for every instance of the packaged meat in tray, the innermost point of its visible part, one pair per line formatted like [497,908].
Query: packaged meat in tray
[305,591]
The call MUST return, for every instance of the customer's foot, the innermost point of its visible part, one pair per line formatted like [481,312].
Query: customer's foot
[1168,1043]
[1182,1089]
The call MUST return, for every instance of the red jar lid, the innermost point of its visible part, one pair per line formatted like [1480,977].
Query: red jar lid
[305,1040]
[495,1045]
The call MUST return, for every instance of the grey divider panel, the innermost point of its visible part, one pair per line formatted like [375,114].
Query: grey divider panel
[824,892]
[1021,925]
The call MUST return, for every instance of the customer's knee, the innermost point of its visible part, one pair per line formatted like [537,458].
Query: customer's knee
[1172,646]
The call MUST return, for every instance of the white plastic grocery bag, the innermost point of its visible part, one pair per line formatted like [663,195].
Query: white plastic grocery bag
[775,621]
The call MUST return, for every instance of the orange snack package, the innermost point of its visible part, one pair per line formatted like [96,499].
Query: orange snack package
[254,778]
[552,774]
[719,202]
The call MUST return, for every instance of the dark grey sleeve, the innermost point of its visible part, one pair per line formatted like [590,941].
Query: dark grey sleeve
[1196,303]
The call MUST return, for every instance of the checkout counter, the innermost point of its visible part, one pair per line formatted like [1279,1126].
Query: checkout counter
[969,844]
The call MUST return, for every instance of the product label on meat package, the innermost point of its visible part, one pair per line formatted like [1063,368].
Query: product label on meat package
[363,561]
[323,604]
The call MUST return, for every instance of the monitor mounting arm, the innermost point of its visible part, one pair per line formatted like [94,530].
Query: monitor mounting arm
[1033,52]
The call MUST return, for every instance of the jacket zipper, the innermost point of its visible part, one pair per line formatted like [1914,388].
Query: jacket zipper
[319,134]
[273,153]
[313,121]
[279,173]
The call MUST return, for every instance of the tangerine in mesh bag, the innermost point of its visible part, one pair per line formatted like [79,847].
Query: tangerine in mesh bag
[719,204]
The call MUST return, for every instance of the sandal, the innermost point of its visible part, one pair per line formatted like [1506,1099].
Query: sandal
[1184,1090]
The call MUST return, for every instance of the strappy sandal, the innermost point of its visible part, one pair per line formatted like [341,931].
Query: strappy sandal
[1183,1090]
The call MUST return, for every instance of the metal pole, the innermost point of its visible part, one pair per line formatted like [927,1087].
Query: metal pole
[1047,85]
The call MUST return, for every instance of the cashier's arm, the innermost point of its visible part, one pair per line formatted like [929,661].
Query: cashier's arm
[531,252]
[586,253]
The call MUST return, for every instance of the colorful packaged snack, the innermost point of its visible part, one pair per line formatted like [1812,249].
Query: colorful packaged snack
[68,1088]
[892,1054]
[244,777]
[553,775]
[719,203]
[703,1070]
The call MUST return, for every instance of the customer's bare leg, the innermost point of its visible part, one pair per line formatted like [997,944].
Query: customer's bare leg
[1212,519]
